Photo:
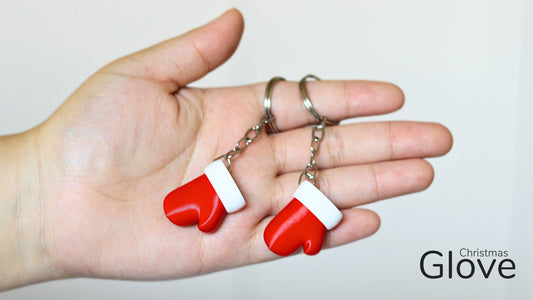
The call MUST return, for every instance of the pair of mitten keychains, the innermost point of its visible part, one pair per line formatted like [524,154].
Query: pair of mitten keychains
[302,223]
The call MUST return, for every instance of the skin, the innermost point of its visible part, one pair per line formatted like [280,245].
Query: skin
[81,194]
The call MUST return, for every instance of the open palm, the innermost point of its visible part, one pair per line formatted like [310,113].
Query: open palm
[134,132]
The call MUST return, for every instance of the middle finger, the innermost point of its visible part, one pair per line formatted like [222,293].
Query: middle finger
[362,143]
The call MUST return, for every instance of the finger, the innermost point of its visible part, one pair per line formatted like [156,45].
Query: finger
[361,143]
[356,224]
[357,185]
[336,100]
[186,58]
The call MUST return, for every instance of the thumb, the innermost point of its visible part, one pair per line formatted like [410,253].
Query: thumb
[188,57]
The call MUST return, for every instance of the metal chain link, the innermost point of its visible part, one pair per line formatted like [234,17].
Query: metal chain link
[249,137]
[317,136]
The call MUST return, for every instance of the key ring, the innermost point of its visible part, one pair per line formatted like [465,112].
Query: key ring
[304,221]
[267,103]
[307,102]
[207,199]
[311,169]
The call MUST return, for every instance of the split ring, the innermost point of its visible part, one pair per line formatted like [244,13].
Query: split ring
[267,103]
[307,102]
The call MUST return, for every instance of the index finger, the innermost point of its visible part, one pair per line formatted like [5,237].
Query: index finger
[335,100]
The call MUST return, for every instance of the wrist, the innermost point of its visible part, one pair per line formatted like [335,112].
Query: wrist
[24,255]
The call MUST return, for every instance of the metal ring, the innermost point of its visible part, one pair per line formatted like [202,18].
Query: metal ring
[267,103]
[307,102]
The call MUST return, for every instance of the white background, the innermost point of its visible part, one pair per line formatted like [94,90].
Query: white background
[466,64]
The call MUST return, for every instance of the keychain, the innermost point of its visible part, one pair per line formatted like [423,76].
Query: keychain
[305,220]
[207,199]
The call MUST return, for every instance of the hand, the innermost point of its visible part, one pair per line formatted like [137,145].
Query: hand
[134,131]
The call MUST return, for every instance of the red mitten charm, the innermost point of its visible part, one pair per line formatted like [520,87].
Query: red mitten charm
[205,200]
[303,222]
